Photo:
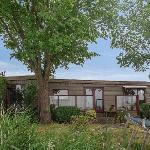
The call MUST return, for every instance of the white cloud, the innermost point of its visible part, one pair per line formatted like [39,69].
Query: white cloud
[103,75]
[13,69]
[16,69]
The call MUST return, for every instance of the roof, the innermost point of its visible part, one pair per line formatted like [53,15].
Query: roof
[136,87]
[123,83]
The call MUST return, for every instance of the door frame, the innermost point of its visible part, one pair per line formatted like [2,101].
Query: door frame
[94,100]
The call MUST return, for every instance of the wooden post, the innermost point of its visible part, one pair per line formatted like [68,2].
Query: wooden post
[137,105]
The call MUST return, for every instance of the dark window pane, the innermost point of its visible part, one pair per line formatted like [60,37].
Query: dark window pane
[60,92]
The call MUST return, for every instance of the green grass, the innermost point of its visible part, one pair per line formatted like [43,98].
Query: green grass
[96,136]
[18,133]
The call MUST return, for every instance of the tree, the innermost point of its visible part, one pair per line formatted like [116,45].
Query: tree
[3,85]
[132,34]
[47,34]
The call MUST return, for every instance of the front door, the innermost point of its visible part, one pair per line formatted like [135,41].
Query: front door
[98,98]
[97,94]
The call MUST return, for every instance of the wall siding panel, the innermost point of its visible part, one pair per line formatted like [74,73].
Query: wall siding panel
[77,87]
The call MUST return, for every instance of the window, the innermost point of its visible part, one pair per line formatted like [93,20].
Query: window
[139,92]
[126,102]
[61,98]
[99,99]
[60,92]
[88,91]
[18,87]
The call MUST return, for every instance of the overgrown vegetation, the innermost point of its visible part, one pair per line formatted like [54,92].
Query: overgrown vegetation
[64,114]
[82,121]
[18,133]
[30,95]
[145,110]
[2,89]
[120,116]
[26,99]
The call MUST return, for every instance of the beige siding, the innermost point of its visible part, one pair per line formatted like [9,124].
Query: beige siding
[110,93]
[76,87]
[147,94]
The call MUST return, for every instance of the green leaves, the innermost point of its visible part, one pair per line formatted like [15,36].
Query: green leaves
[57,29]
[2,89]
[132,34]
[139,61]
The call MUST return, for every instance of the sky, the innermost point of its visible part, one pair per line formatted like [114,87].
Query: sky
[104,67]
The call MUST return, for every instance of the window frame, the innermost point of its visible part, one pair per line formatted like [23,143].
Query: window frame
[59,90]
[137,89]
[94,99]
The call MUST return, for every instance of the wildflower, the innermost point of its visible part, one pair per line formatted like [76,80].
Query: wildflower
[51,145]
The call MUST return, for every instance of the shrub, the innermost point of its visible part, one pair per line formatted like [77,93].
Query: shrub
[63,114]
[120,116]
[91,114]
[29,98]
[81,121]
[145,110]
[18,133]
[30,95]
[26,100]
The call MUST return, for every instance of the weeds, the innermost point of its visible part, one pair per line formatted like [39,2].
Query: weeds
[18,133]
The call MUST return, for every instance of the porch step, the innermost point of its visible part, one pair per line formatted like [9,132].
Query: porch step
[105,120]
[99,115]
[100,118]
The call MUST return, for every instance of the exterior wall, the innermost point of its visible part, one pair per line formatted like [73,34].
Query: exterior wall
[110,93]
[147,95]
[74,89]
[77,87]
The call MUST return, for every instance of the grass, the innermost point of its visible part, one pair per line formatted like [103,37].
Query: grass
[18,133]
[96,136]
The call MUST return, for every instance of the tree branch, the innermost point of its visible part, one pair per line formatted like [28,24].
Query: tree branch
[8,33]
[15,17]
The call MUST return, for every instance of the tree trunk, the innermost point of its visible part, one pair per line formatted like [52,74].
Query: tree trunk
[44,103]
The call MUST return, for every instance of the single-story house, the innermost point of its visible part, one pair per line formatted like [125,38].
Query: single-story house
[100,95]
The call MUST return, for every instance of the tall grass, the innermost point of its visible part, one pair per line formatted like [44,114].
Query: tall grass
[98,138]
[18,133]
[94,137]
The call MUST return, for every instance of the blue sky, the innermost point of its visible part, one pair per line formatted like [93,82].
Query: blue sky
[104,67]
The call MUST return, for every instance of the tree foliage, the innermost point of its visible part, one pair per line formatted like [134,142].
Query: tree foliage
[29,93]
[132,34]
[47,34]
[3,85]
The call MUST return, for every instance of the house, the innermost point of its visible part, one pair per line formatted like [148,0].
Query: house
[100,95]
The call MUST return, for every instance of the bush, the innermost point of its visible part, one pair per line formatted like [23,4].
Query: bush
[120,116]
[26,100]
[145,110]
[30,95]
[18,133]
[29,98]
[63,114]
[81,121]
[91,114]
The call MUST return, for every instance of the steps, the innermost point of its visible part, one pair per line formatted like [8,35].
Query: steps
[100,118]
